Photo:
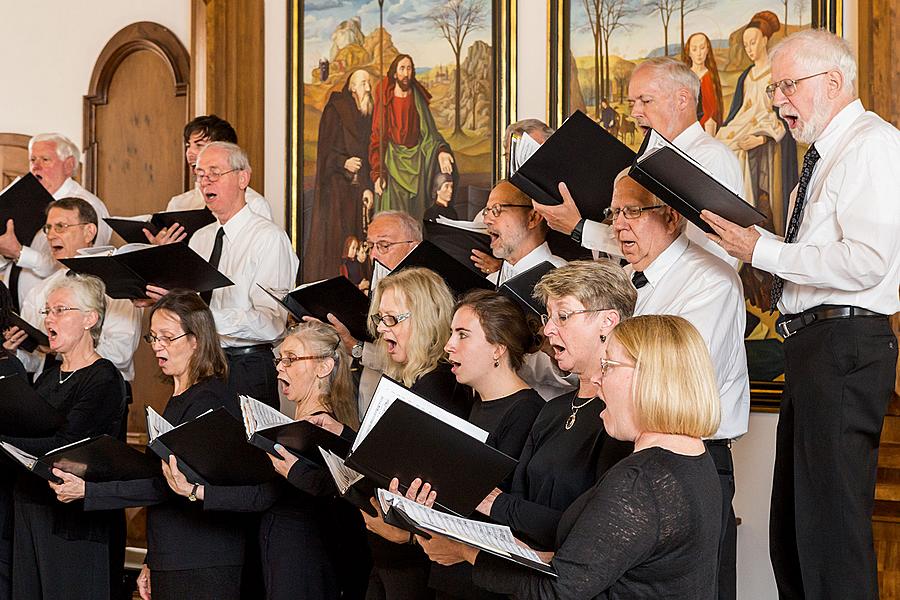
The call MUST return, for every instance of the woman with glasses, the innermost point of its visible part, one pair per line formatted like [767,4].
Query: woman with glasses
[650,527]
[60,549]
[192,552]
[567,449]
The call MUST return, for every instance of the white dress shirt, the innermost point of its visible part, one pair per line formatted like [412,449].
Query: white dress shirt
[254,251]
[689,282]
[193,200]
[532,259]
[35,260]
[119,337]
[716,159]
[847,250]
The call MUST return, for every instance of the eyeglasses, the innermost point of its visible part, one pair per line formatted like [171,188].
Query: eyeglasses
[384,246]
[606,363]
[563,316]
[287,361]
[787,86]
[389,320]
[211,176]
[496,209]
[59,227]
[630,212]
[56,310]
[162,340]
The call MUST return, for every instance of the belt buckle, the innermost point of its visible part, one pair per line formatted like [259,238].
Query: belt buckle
[783,329]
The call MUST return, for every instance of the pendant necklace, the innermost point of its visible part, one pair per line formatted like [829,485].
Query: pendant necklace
[68,377]
[570,422]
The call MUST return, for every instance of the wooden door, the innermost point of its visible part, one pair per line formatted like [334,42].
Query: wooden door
[13,157]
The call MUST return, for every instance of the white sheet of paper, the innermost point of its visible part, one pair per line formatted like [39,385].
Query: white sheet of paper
[343,475]
[259,416]
[20,455]
[156,425]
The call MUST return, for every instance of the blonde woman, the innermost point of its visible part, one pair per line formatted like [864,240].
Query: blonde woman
[650,527]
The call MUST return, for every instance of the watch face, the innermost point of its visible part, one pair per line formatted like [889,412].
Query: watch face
[356,351]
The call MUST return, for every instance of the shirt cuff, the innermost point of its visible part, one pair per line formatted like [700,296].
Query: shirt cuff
[766,254]
[596,236]
[29,258]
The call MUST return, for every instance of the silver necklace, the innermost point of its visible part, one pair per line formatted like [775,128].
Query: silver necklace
[68,377]
[570,422]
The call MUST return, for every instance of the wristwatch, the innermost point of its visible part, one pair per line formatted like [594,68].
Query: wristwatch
[357,350]
[578,231]
[193,495]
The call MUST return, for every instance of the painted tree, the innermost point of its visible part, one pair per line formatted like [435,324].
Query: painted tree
[593,9]
[665,8]
[613,17]
[456,19]
[688,6]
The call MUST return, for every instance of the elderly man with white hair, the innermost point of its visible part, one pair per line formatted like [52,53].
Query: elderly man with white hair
[54,161]
[837,271]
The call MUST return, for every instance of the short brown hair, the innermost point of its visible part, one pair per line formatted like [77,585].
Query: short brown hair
[599,284]
[197,321]
[503,322]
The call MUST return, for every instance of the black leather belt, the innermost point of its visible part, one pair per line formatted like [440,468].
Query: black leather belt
[722,442]
[243,350]
[788,325]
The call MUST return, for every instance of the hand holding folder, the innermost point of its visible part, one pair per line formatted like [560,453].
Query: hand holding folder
[24,201]
[131,229]
[35,338]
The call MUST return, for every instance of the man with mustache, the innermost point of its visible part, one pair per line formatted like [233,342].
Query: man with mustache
[406,155]
[343,190]
[837,272]
[54,162]
[663,94]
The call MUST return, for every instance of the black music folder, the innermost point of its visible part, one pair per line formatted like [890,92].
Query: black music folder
[584,156]
[132,229]
[405,436]
[352,486]
[97,459]
[521,288]
[127,274]
[459,277]
[23,413]
[35,338]
[679,181]
[211,449]
[24,202]
[337,295]
[266,427]
[458,242]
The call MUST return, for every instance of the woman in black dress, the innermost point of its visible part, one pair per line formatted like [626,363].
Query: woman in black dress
[61,550]
[191,552]
[650,527]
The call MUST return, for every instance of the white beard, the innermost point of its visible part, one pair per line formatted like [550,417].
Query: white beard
[364,105]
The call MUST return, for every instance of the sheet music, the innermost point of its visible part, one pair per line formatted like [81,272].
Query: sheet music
[259,416]
[494,538]
[156,425]
[522,147]
[20,455]
[378,271]
[388,391]
[474,226]
[343,475]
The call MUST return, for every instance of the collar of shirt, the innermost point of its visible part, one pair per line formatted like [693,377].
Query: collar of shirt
[688,136]
[835,129]
[68,187]
[234,225]
[532,259]
[658,268]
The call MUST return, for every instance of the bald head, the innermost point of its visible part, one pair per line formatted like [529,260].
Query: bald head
[360,86]
[506,193]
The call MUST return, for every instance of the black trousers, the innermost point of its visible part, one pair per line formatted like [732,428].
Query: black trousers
[409,582]
[253,374]
[296,562]
[727,574]
[839,376]
[211,583]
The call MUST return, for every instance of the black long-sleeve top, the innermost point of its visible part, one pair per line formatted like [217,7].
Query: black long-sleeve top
[181,534]
[556,466]
[648,529]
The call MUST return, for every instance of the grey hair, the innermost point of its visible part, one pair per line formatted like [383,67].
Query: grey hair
[817,50]
[673,73]
[528,126]
[90,294]
[237,158]
[65,147]
[597,284]
[411,226]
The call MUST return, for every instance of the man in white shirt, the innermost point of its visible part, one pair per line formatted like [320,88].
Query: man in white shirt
[663,95]
[199,132]
[54,161]
[72,226]
[675,276]
[837,273]
[251,252]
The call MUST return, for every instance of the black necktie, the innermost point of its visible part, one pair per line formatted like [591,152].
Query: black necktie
[809,161]
[639,279]
[214,260]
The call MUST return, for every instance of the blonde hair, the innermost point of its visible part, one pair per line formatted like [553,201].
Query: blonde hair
[336,390]
[430,304]
[597,284]
[674,386]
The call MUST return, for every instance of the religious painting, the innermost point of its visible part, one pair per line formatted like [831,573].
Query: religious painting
[594,47]
[393,105]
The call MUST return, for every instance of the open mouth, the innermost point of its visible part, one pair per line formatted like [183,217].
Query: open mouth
[210,196]
[391,345]
[791,120]
[51,334]
[454,365]
[558,350]
[161,360]
[285,384]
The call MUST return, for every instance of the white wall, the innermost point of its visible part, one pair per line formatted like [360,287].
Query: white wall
[50,48]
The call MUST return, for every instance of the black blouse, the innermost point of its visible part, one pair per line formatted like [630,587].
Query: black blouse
[556,466]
